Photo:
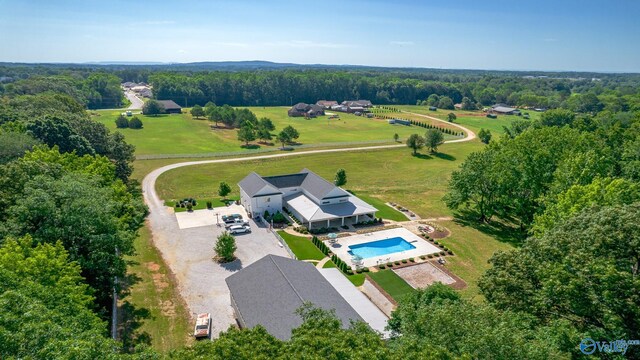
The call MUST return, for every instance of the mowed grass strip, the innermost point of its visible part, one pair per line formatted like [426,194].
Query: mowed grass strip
[302,247]
[154,307]
[384,211]
[393,284]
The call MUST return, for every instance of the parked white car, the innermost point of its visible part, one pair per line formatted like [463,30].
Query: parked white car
[239,229]
[237,222]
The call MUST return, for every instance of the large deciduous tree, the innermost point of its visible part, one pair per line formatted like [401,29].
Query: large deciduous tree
[432,139]
[584,270]
[153,108]
[246,134]
[415,142]
[197,111]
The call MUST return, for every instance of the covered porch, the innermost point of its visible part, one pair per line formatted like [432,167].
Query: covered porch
[315,216]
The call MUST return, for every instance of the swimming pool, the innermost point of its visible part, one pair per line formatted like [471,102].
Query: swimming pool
[380,247]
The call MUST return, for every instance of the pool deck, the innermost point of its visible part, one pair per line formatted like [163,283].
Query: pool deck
[423,247]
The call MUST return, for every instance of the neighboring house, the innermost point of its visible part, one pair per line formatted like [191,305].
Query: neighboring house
[357,103]
[269,291]
[504,109]
[306,110]
[457,106]
[170,107]
[327,104]
[309,197]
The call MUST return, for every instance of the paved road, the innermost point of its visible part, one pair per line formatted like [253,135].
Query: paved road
[136,102]
[188,252]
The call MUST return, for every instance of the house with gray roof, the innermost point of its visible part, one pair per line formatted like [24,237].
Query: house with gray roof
[170,107]
[306,110]
[310,198]
[269,291]
[504,109]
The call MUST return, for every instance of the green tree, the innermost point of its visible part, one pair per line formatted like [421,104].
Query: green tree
[437,317]
[122,122]
[291,132]
[432,139]
[475,186]
[264,135]
[341,178]
[224,189]
[396,137]
[583,265]
[415,142]
[197,111]
[467,104]
[451,117]
[14,144]
[283,138]
[57,131]
[484,135]
[246,134]
[135,123]
[432,100]
[153,108]
[225,248]
[266,123]
[557,117]
[445,102]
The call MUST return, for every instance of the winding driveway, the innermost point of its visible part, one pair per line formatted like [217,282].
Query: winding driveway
[168,238]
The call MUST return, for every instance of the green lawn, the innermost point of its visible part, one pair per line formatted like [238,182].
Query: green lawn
[154,308]
[201,203]
[182,135]
[302,247]
[384,211]
[393,284]
[390,175]
[474,120]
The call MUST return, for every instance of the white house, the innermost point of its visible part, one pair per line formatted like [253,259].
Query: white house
[310,198]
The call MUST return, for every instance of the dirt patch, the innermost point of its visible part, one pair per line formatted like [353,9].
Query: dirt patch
[153,267]
[159,282]
[424,274]
[168,308]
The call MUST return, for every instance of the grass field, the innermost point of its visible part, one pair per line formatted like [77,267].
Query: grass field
[393,284]
[182,135]
[154,310]
[302,247]
[417,183]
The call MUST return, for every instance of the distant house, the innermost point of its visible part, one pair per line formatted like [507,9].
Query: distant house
[433,108]
[170,107]
[457,106]
[306,110]
[357,103]
[327,104]
[504,109]
[269,291]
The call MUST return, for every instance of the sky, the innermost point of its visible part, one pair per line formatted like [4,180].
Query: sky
[463,34]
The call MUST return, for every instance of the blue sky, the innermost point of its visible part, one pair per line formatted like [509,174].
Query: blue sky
[533,35]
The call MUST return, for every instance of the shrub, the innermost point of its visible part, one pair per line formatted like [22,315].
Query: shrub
[441,246]
[189,207]
[366,269]
[225,247]
[430,256]
[122,122]
[135,123]
[381,267]
[359,271]
[209,205]
[389,264]
[422,257]
[412,259]
[397,262]
[442,253]
[404,261]
[449,252]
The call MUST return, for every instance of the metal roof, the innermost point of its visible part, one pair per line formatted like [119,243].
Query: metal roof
[269,291]
[314,212]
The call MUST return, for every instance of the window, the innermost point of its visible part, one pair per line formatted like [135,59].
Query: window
[343,200]
[325,202]
[268,199]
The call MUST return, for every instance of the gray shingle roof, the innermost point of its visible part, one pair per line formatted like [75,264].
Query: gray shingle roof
[253,183]
[285,181]
[317,186]
[169,104]
[269,291]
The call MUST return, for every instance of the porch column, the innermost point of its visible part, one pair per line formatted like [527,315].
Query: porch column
[356,219]
[328,223]
[343,221]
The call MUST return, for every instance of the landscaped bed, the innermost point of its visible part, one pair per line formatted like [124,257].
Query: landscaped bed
[393,284]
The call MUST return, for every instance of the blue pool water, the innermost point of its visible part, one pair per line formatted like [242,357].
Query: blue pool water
[380,247]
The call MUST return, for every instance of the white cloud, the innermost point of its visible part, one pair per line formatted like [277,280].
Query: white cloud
[304,44]
[402,43]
